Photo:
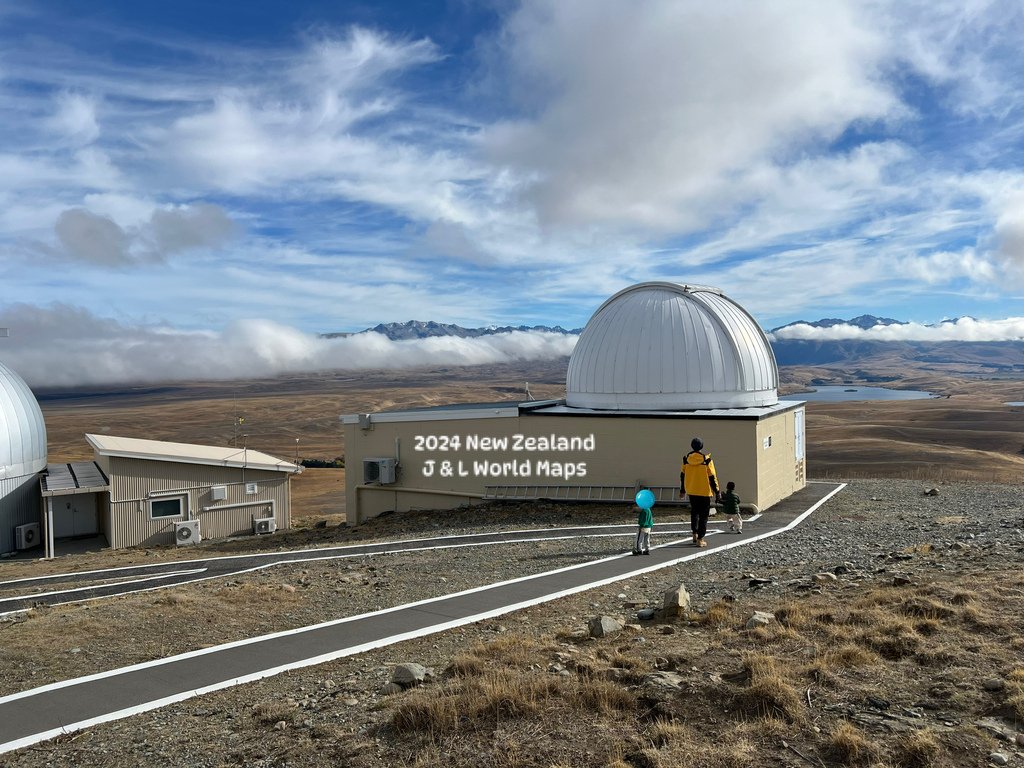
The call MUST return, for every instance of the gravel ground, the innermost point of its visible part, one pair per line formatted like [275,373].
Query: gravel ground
[868,533]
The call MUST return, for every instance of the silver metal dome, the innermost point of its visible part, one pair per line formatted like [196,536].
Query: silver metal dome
[22,429]
[667,347]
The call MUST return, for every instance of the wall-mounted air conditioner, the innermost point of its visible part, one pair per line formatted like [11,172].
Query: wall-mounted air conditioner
[379,470]
[218,493]
[187,533]
[26,536]
[251,488]
[264,525]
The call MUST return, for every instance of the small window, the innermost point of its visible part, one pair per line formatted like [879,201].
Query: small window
[159,508]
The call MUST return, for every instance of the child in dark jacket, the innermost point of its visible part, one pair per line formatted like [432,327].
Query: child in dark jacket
[731,507]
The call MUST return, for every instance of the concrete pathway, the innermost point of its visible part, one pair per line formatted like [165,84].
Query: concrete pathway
[41,713]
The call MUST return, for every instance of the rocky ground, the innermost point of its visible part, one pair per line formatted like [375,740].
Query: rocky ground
[894,635]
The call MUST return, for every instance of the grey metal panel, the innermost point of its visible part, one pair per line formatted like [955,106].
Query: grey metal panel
[22,429]
[20,503]
[664,346]
[134,481]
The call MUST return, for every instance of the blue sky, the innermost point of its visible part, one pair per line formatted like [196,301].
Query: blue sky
[246,175]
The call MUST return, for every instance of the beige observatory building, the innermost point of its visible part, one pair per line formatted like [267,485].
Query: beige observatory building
[657,364]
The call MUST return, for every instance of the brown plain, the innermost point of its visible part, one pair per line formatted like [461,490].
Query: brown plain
[968,433]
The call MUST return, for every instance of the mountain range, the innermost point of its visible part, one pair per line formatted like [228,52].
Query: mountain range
[1000,355]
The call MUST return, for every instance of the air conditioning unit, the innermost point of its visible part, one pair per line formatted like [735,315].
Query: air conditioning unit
[187,533]
[26,536]
[264,525]
[380,470]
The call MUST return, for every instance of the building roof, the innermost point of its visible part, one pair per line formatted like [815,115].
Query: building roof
[670,347]
[75,477]
[187,453]
[559,408]
[22,429]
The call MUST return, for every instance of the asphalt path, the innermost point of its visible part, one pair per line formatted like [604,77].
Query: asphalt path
[112,582]
[41,713]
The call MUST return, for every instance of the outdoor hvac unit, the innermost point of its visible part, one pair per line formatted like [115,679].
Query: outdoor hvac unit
[187,533]
[26,536]
[264,525]
[218,492]
[381,470]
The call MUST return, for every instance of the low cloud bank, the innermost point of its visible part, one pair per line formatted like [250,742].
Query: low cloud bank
[67,346]
[962,329]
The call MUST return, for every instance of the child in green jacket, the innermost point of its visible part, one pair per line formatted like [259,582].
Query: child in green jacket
[731,507]
[645,524]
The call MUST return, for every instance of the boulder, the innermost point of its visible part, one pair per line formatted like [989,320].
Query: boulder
[760,619]
[676,602]
[603,626]
[410,674]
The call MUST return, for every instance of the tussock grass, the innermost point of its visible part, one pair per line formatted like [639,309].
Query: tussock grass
[769,695]
[920,749]
[925,608]
[274,711]
[891,637]
[472,702]
[718,614]
[847,745]
[602,696]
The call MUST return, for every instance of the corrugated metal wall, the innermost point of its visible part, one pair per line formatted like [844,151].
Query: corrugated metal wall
[19,504]
[134,481]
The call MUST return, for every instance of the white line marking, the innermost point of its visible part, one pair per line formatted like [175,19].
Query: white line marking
[102,585]
[379,643]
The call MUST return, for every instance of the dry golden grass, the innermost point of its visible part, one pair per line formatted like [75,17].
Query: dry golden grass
[769,695]
[848,745]
[920,749]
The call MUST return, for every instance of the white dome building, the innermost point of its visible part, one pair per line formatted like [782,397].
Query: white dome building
[22,456]
[670,347]
[657,365]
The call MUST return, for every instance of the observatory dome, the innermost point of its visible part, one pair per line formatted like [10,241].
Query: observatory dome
[669,347]
[22,430]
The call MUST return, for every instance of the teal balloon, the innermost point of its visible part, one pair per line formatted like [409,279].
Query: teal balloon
[645,499]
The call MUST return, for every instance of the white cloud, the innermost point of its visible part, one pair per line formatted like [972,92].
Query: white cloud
[99,240]
[74,120]
[98,351]
[644,117]
[962,329]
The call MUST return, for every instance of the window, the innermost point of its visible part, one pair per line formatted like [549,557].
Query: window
[172,507]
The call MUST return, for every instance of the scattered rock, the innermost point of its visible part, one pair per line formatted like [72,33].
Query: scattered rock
[930,492]
[390,689]
[602,626]
[676,602]
[646,614]
[993,684]
[999,758]
[760,619]
[666,629]
[280,725]
[664,680]
[825,578]
[320,524]
[287,588]
[901,581]
[758,583]
[410,674]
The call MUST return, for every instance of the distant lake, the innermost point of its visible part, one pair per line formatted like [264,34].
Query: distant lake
[1016,402]
[842,393]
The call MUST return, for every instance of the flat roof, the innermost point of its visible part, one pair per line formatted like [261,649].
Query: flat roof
[73,477]
[187,453]
[559,408]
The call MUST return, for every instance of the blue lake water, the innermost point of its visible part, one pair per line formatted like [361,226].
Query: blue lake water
[842,393]
[1015,402]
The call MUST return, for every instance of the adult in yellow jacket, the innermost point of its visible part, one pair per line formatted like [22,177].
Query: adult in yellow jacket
[697,479]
